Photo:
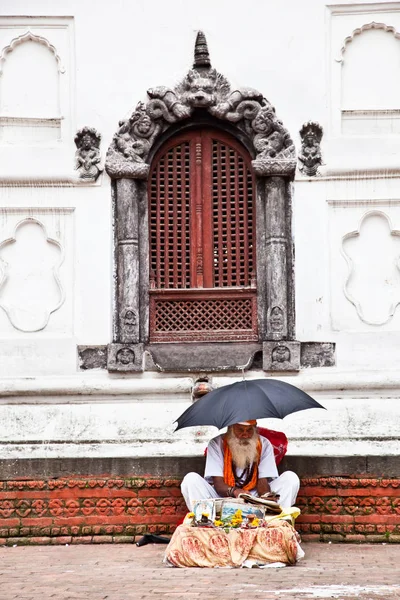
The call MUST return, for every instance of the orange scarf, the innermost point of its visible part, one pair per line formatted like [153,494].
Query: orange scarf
[229,476]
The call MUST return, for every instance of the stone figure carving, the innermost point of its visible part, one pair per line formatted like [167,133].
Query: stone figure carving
[271,137]
[132,143]
[130,318]
[310,157]
[125,356]
[203,88]
[276,319]
[87,155]
[280,354]
[129,321]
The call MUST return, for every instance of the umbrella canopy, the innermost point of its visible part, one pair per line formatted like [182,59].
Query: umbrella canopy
[245,400]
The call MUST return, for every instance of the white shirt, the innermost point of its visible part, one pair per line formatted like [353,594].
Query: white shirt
[215,460]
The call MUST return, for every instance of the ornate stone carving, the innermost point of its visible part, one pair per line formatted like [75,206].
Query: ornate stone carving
[276,320]
[310,157]
[281,356]
[125,357]
[130,319]
[202,88]
[202,92]
[87,155]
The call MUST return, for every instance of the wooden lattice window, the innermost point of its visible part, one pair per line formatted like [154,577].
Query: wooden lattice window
[202,240]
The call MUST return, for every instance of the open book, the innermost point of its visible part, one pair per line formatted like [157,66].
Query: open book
[270,505]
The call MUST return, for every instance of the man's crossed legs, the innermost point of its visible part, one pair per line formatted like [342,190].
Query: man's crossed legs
[194,487]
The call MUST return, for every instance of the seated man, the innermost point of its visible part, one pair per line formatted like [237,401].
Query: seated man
[240,460]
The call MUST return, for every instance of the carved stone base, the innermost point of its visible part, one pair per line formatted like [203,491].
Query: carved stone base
[281,356]
[267,167]
[216,357]
[125,357]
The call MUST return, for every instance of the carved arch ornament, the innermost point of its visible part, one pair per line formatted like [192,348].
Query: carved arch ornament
[351,269]
[203,98]
[42,320]
[359,30]
[28,36]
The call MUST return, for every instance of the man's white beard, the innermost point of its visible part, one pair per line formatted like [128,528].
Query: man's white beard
[244,452]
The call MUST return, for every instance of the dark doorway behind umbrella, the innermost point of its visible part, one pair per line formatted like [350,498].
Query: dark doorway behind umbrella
[245,400]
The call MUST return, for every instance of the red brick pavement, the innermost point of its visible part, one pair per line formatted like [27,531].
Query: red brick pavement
[126,572]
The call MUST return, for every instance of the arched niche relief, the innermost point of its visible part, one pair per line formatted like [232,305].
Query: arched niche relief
[30,72]
[204,100]
[370,93]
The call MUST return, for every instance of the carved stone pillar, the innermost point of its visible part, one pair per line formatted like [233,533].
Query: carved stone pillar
[275,268]
[276,245]
[126,352]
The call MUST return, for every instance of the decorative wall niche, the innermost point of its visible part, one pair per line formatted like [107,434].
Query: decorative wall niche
[372,253]
[204,99]
[363,56]
[364,243]
[30,109]
[30,285]
[36,270]
[370,104]
[37,77]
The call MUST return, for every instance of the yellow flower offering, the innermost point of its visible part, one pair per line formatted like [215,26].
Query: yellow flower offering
[188,520]
[218,523]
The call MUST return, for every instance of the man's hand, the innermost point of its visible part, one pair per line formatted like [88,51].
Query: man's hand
[271,496]
[223,489]
[263,486]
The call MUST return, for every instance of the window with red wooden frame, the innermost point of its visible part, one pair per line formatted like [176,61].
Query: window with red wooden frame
[202,240]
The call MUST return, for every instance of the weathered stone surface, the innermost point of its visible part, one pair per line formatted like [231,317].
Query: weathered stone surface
[92,357]
[52,468]
[276,244]
[209,357]
[267,168]
[125,357]
[317,354]
[281,356]
[203,357]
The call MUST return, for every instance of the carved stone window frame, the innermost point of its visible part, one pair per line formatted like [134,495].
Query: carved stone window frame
[203,98]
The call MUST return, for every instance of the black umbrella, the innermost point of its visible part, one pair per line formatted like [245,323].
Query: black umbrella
[246,400]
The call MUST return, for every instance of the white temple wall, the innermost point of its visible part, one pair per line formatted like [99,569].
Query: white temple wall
[310,60]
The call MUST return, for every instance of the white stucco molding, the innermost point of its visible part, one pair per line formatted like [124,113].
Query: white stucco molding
[52,179]
[83,387]
[28,36]
[359,30]
[93,386]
